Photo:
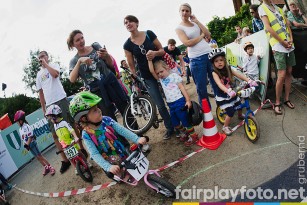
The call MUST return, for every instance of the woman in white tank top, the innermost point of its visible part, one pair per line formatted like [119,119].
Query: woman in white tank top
[191,33]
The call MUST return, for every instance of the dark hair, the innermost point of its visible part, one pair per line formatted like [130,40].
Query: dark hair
[131,18]
[254,7]
[121,62]
[225,72]
[171,41]
[70,39]
[45,52]
[237,26]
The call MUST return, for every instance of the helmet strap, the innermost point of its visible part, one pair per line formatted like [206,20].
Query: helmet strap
[93,123]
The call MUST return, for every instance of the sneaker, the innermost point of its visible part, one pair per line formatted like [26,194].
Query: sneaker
[191,140]
[184,138]
[84,152]
[65,166]
[168,134]
[52,170]
[76,172]
[227,130]
[46,170]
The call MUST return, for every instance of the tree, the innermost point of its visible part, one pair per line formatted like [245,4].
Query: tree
[18,102]
[32,68]
[222,29]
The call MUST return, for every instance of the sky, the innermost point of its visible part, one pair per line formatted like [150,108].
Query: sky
[45,24]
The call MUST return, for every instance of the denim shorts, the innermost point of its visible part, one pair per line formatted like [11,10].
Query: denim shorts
[34,148]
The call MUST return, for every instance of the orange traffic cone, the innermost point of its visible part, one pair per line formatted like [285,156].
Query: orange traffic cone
[211,138]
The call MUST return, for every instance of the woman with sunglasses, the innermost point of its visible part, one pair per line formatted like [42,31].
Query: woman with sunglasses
[143,46]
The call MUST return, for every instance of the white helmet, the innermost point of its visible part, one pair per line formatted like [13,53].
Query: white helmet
[53,110]
[215,53]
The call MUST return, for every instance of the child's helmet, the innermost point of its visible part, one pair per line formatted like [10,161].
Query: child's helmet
[82,103]
[215,53]
[195,114]
[53,110]
[248,44]
[19,115]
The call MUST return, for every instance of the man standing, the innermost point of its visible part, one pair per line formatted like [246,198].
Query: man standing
[51,91]
[257,22]
[173,51]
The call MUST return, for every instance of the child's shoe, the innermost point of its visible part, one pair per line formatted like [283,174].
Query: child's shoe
[227,130]
[52,170]
[46,170]
[184,137]
[191,140]
[9,187]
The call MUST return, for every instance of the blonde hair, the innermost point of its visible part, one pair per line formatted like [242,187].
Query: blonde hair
[187,5]
[161,63]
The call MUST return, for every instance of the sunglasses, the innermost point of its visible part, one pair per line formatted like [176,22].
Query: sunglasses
[143,51]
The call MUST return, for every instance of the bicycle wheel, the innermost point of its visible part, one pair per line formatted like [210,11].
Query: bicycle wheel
[220,114]
[84,173]
[144,119]
[164,187]
[252,130]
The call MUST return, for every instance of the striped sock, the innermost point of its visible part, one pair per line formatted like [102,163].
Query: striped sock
[191,132]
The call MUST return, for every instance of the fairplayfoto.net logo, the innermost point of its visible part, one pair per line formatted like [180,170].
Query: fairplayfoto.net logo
[231,194]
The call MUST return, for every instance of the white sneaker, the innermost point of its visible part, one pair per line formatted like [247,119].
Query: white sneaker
[227,130]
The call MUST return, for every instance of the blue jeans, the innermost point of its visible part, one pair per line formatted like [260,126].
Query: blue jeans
[201,70]
[155,94]
[178,114]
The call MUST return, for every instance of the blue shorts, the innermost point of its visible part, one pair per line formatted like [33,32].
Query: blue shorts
[177,114]
[230,111]
[34,148]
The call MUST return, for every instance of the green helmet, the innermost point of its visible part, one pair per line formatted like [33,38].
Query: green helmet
[82,103]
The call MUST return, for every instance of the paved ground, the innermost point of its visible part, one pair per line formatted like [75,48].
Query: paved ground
[272,162]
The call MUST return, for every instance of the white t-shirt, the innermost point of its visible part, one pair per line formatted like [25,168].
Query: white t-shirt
[170,87]
[202,47]
[52,87]
[278,46]
[25,132]
[250,65]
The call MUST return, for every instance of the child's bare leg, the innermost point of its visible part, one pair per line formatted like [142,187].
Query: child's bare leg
[227,121]
[41,160]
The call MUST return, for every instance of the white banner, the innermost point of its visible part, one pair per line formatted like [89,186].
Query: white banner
[7,165]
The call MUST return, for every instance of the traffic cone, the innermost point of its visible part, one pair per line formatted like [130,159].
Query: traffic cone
[211,138]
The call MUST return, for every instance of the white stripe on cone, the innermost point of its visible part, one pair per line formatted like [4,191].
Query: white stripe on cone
[210,132]
[208,117]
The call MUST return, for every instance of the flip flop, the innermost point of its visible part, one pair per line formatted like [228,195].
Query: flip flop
[277,112]
[289,104]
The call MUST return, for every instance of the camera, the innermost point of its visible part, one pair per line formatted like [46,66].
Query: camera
[96,46]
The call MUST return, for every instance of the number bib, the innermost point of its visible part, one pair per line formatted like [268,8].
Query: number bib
[142,164]
[71,152]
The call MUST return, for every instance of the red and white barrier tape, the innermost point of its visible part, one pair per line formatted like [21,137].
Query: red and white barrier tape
[179,160]
[259,108]
[103,186]
[69,193]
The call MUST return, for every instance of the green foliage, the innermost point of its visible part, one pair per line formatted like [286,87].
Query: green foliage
[222,29]
[18,102]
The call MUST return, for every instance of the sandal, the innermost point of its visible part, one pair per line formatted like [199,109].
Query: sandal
[278,111]
[289,104]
